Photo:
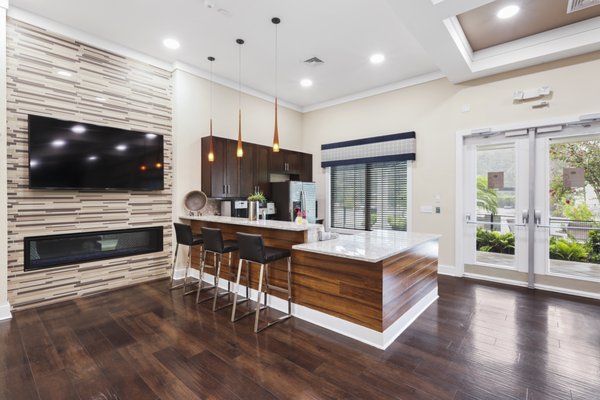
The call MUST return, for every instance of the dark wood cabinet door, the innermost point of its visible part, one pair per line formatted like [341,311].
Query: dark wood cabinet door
[293,161]
[247,170]
[306,174]
[217,169]
[261,173]
[232,169]
[277,161]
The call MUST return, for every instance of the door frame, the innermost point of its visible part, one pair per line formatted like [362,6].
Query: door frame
[523,126]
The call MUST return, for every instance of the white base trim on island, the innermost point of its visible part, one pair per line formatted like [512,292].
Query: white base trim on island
[5,311]
[380,340]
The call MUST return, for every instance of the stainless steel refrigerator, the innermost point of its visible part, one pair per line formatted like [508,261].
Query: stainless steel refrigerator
[293,195]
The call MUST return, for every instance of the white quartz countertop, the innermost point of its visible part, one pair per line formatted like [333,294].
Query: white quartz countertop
[371,246]
[267,224]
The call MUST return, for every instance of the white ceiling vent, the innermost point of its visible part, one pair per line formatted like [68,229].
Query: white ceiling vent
[314,61]
[578,5]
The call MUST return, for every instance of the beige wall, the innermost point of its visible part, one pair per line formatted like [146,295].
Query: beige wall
[434,111]
[191,96]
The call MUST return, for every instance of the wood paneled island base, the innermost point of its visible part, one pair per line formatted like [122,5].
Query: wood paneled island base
[369,286]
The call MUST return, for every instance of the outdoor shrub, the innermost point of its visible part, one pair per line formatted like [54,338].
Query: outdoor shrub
[397,223]
[568,250]
[495,242]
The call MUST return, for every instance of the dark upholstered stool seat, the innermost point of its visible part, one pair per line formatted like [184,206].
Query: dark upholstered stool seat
[184,237]
[229,246]
[274,254]
[214,243]
[253,250]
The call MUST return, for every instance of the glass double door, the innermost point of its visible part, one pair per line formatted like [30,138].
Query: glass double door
[532,207]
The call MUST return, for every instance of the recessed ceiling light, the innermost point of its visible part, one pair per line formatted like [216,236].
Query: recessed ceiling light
[150,136]
[508,12]
[64,73]
[92,158]
[306,83]
[377,58]
[171,43]
[58,143]
[121,147]
[78,129]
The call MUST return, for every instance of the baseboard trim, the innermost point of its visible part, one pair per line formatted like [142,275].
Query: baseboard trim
[495,279]
[5,312]
[448,270]
[570,292]
[380,340]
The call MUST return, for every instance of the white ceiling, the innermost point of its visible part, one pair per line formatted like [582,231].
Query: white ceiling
[421,39]
[434,24]
[342,33]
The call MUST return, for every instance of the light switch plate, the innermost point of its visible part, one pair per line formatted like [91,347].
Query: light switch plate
[426,209]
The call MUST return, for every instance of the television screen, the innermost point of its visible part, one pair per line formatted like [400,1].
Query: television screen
[73,155]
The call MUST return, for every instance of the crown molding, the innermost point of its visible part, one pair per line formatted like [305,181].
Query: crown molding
[375,91]
[84,37]
[199,72]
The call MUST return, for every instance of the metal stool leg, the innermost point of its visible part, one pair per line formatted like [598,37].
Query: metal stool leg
[235,289]
[187,270]
[289,275]
[217,282]
[171,287]
[260,279]
[289,293]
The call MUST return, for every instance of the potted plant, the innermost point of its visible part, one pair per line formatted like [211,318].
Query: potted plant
[254,201]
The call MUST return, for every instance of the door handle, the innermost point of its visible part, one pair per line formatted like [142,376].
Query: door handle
[537,217]
[525,216]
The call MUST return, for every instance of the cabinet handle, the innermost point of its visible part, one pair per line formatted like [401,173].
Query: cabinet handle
[224,189]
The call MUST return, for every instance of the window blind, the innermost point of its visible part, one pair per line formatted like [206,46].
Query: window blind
[369,196]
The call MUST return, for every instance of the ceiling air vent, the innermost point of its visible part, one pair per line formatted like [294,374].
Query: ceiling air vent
[578,5]
[314,61]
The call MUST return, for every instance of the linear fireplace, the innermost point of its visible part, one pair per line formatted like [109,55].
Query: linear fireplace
[73,248]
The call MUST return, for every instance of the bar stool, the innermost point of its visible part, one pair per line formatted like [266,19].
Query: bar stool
[185,237]
[214,243]
[253,250]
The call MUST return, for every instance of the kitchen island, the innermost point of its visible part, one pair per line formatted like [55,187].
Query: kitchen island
[369,286]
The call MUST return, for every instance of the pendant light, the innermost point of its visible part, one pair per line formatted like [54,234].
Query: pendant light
[240,150]
[211,153]
[276,22]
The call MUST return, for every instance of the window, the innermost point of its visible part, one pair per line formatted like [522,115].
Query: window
[369,196]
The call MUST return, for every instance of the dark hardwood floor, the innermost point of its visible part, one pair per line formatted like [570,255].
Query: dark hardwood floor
[479,341]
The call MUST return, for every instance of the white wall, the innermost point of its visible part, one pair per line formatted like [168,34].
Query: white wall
[434,111]
[191,95]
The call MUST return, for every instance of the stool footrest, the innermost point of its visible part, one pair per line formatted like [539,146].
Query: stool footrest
[278,320]
[279,289]
[230,304]
[252,312]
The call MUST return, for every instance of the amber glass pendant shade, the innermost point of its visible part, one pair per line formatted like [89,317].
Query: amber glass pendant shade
[276,22]
[240,149]
[211,152]
[276,133]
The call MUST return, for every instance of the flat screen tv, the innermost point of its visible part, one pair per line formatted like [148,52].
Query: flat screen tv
[73,155]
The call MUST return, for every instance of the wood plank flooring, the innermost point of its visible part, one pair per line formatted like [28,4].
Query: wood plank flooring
[478,341]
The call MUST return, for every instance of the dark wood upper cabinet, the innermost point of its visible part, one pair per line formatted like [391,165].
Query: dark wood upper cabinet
[306,174]
[293,161]
[228,176]
[261,173]
[247,170]
[220,178]
[232,169]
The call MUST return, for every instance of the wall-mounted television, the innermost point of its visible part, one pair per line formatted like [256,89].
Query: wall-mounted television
[79,156]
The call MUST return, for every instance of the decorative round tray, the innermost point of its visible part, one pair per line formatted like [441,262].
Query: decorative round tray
[195,201]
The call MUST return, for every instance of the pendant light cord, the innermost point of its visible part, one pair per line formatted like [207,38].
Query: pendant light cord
[211,90]
[240,77]
[276,63]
